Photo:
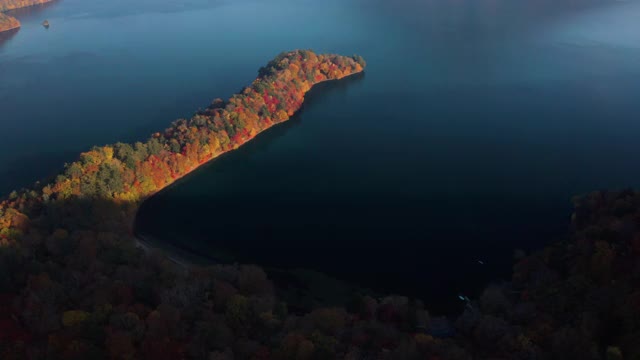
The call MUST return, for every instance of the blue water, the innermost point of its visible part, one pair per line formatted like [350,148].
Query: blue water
[474,125]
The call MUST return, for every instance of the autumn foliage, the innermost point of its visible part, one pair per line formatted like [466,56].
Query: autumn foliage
[131,172]
[16,4]
[8,22]
[75,284]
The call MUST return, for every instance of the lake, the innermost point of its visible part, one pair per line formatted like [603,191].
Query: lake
[475,123]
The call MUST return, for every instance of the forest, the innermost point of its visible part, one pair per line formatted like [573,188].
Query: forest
[76,284]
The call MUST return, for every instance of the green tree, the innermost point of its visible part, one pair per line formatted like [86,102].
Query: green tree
[125,153]
[109,180]
[360,60]
[174,146]
[141,151]
[74,170]
[155,146]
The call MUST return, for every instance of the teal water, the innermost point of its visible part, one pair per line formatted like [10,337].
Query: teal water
[474,125]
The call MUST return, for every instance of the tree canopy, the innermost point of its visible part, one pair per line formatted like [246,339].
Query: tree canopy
[8,22]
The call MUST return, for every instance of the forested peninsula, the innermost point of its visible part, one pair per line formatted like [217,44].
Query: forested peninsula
[9,22]
[74,285]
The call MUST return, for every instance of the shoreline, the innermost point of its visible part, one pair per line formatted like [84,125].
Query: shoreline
[7,6]
[145,243]
[11,28]
[12,21]
[246,141]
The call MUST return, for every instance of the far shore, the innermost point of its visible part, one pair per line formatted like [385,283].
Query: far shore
[7,22]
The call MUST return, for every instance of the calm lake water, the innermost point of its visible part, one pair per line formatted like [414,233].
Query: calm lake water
[474,125]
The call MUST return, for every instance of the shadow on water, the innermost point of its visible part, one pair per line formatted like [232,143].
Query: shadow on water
[185,247]
[299,285]
[6,36]
[303,231]
[291,212]
[337,86]
[257,145]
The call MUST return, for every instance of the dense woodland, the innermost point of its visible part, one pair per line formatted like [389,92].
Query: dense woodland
[74,284]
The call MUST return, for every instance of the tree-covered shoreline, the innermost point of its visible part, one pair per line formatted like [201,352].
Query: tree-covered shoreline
[8,22]
[6,5]
[74,285]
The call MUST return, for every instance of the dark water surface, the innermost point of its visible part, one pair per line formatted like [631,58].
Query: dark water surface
[475,123]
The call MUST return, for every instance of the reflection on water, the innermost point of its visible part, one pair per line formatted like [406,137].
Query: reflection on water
[6,36]
[258,146]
